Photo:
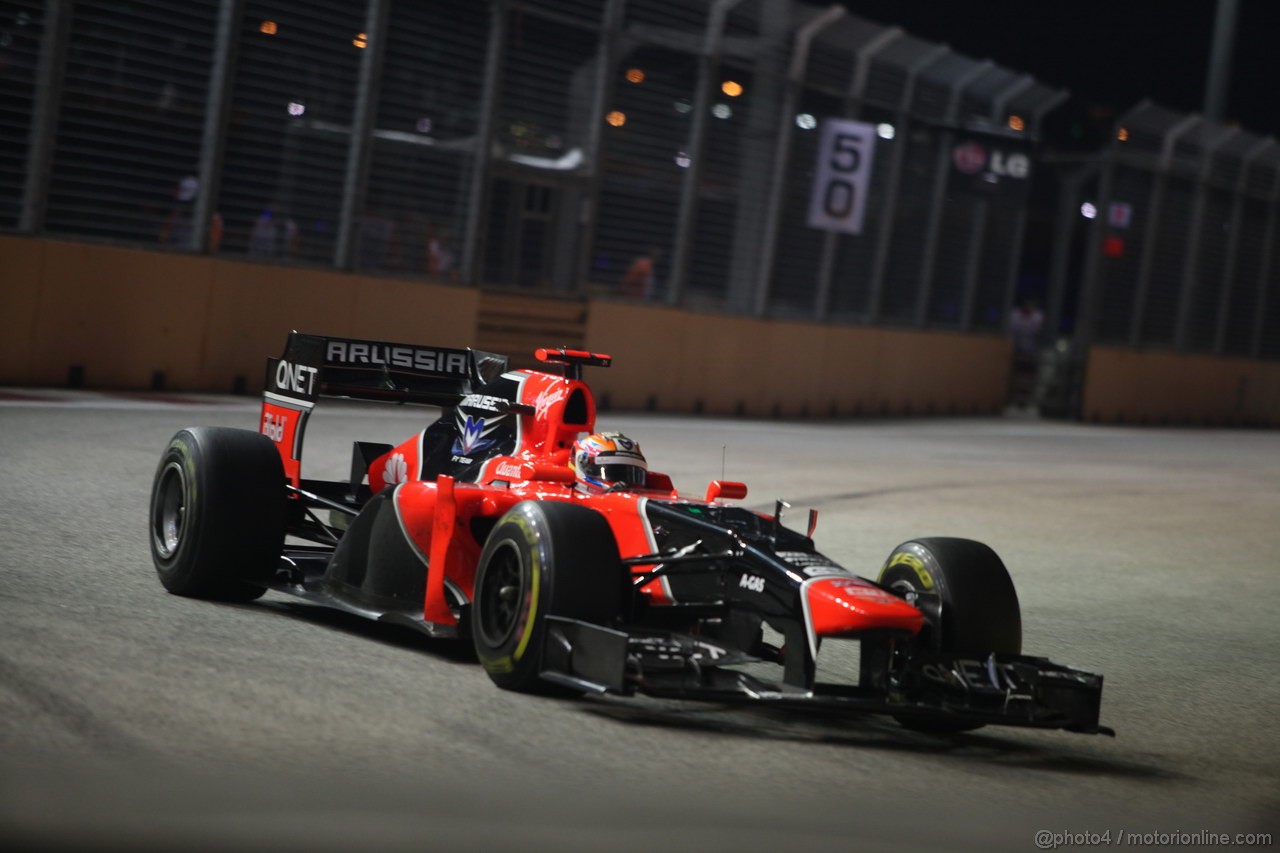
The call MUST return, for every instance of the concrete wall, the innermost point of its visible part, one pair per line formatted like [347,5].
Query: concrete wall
[1128,386]
[125,314]
[674,360]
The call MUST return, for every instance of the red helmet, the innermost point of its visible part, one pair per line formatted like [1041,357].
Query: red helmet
[607,459]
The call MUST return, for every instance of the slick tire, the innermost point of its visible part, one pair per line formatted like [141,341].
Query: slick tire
[218,514]
[968,599]
[544,558]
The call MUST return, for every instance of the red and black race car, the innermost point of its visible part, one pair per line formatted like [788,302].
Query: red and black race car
[573,568]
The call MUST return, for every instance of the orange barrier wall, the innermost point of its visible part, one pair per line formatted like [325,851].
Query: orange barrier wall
[125,314]
[1128,386]
[674,360]
[21,285]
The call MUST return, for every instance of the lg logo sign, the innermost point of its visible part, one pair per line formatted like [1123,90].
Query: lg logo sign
[1010,165]
[971,158]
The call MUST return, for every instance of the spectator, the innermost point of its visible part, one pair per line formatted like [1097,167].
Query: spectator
[177,229]
[638,282]
[439,255]
[262,240]
[1025,326]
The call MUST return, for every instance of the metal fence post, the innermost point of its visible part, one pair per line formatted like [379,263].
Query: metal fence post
[755,153]
[1235,224]
[709,60]
[472,241]
[360,142]
[1020,221]
[46,106]
[610,34]
[1068,209]
[1191,260]
[1154,210]
[938,198]
[1093,259]
[1264,271]
[854,100]
[217,113]
[782,149]
[888,215]
[978,231]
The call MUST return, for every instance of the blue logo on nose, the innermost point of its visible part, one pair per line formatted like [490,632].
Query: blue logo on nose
[471,438]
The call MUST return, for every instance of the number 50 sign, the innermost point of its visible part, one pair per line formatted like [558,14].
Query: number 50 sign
[841,176]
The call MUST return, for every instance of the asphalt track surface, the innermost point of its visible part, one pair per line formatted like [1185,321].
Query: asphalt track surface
[134,719]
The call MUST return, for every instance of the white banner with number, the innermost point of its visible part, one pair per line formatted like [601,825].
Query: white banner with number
[842,175]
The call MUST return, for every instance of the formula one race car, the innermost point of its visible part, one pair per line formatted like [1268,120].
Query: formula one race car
[574,568]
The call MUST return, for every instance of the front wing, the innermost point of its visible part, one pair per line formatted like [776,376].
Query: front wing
[1010,690]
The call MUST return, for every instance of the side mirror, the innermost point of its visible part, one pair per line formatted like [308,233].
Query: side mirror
[726,490]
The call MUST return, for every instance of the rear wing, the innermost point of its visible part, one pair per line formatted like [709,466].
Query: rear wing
[313,366]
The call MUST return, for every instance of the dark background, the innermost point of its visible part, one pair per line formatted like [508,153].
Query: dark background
[1109,53]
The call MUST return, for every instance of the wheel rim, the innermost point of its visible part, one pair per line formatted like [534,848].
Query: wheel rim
[915,596]
[500,595]
[928,603]
[906,589]
[168,513]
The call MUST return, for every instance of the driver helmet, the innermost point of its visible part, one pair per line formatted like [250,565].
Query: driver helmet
[606,459]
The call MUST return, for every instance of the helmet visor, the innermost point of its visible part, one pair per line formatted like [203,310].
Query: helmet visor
[631,475]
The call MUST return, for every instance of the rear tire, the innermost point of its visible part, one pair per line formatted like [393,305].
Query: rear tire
[969,602]
[544,558]
[218,514]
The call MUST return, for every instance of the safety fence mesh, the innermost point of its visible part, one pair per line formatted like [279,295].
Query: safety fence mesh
[651,150]
[1183,225]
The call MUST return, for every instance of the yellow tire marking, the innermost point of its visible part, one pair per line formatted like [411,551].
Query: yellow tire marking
[905,558]
[535,569]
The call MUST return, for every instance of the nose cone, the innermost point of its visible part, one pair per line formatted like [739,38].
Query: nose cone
[843,605]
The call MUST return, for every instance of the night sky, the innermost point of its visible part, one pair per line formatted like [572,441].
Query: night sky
[1110,53]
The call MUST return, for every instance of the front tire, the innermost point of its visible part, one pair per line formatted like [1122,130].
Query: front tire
[544,558]
[970,605]
[218,514]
